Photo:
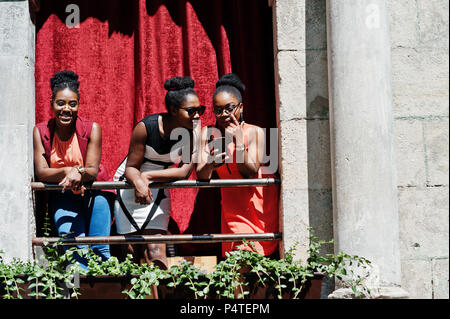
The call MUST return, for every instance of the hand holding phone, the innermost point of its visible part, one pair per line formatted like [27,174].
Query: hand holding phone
[217,151]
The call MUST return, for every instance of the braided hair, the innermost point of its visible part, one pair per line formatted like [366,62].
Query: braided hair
[177,89]
[63,80]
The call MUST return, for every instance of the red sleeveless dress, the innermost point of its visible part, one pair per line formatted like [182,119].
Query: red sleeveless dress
[252,209]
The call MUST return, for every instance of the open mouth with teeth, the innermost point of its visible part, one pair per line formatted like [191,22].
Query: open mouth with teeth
[65,118]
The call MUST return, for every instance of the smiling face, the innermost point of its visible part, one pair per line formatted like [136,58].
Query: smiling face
[226,103]
[65,106]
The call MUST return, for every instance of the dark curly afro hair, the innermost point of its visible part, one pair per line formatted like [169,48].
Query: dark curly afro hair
[230,83]
[177,89]
[64,79]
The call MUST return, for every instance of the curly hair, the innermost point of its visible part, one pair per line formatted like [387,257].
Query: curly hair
[230,83]
[64,79]
[177,89]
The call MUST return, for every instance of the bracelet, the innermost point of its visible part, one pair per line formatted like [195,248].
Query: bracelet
[80,169]
[240,148]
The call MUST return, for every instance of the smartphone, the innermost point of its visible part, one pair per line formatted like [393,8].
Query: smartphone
[218,143]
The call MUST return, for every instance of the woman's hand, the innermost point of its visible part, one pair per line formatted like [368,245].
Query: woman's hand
[215,158]
[72,180]
[135,159]
[142,193]
[234,129]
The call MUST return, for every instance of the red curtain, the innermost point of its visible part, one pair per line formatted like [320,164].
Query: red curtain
[123,52]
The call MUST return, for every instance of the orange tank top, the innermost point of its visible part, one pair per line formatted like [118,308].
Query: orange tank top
[65,153]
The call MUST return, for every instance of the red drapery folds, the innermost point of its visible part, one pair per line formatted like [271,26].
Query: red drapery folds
[123,52]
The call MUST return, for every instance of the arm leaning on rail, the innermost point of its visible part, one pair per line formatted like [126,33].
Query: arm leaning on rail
[39,186]
[207,238]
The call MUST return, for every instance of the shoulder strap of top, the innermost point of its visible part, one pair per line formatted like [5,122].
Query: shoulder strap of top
[151,125]
[154,138]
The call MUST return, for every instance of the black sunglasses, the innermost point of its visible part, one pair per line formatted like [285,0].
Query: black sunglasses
[192,110]
[230,108]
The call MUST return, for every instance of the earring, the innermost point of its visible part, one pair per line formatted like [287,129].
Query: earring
[241,117]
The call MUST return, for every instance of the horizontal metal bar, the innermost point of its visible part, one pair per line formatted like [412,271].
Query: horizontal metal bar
[162,239]
[39,186]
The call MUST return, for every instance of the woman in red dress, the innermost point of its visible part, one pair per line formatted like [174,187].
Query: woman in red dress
[251,209]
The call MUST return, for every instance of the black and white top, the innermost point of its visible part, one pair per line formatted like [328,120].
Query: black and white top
[159,154]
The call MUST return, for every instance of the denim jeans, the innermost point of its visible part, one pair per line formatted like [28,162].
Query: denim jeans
[76,216]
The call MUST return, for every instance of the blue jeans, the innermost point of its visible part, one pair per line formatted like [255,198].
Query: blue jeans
[76,215]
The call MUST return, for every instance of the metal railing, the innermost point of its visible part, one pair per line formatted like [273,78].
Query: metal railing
[167,239]
[39,186]
[161,239]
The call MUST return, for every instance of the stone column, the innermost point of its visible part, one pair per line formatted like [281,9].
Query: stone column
[365,213]
[290,90]
[17,38]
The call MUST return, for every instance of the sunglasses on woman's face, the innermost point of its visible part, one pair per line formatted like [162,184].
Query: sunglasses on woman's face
[192,110]
[228,108]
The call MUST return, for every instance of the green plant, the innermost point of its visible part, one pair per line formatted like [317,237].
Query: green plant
[240,273]
[11,277]
[232,277]
[142,281]
[55,269]
[187,275]
[43,279]
[227,279]
[110,267]
[342,265]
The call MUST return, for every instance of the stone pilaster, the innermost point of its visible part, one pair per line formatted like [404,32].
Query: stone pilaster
[17,38]
[365,213]
[290,89]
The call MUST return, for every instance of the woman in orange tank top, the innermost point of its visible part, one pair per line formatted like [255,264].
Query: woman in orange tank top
[244,209]
[67,151]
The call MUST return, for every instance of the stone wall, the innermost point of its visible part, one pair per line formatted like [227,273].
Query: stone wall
[419,38]
[289,52]
[419,46]
[16,124]
[318,126]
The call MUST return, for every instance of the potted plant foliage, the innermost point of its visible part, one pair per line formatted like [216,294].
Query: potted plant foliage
[242,274]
